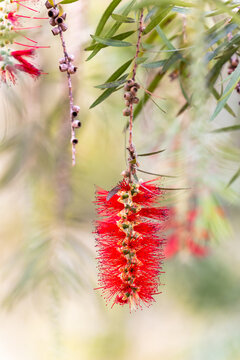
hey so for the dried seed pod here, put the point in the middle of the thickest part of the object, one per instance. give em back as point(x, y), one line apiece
point(134, 90)
point(63, 67)
point(127, 102)
point(55, 31)
point(234, 62)
point(71, 57)
point(76, 124)
point(75, 110)
point(48, 5)
point(63, 26)
point(127, 95)
point(59, 20)
point(74, 141)
point(52, 22)
point(130, 82)
point(126, 112)
point(135, 100)
point(72, 69)
point(136, 85)
point(64, 15)
point(62, 60)
point(127, 87)
point(53, 12)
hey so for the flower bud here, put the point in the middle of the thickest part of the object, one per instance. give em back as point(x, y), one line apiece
point(75, 110)
point(126, 112)
point(63, 67)
point(76, 124)
point(53, 12)
point(63, 26)
point(55, 31)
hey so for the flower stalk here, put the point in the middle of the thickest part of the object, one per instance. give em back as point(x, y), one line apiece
point(57, 20)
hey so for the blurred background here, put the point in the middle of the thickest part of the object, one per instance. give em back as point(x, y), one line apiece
point(50, 309)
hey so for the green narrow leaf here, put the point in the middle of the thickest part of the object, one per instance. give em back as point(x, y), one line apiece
point(121, 36)
point(113, 84)
point(119, 71)
point(67, 1)
point(154, 64)
point(226, 106)
point(112, 31)
point(103, 97)
point(150, 173)
point(234, 178)
point(157, 19)
point(227, 129)
point(111, 42)
point(122, 18)
point(113, 77)
point(227, 92)
point(164, 38)
point(151, 153)
point(107, 13)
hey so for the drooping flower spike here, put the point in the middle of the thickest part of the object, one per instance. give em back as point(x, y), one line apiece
point(129, 242)
point(13, 60)
point(129, 235)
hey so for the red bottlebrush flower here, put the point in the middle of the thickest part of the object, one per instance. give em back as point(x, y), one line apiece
point(184, 235)
point(11, 24)
point(24, 64)
point(129, 243)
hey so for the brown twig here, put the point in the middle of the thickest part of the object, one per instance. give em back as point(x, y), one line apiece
point(65, 65)
point(133, 87)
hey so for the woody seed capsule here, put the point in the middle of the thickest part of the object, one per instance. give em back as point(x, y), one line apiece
point(55, 31)
point(130, 82)
point(48, 5)
point(63, 26)
point(76, 124)
point(71, 57)
point(74, 141)
point(53, 12)
point(127, 96)
point(135, 100)
point(62, 61)
point(126, 112)
point(134, 90)
point(59, 20)
point(52, 22)
point(63, 67)
point(72, 69)
point(75, 110)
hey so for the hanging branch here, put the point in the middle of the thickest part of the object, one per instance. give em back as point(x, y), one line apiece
point(131, 88)
point(57, 18)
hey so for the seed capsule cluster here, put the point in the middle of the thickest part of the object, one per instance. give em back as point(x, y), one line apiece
point(130, 95)
point(57, 20)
